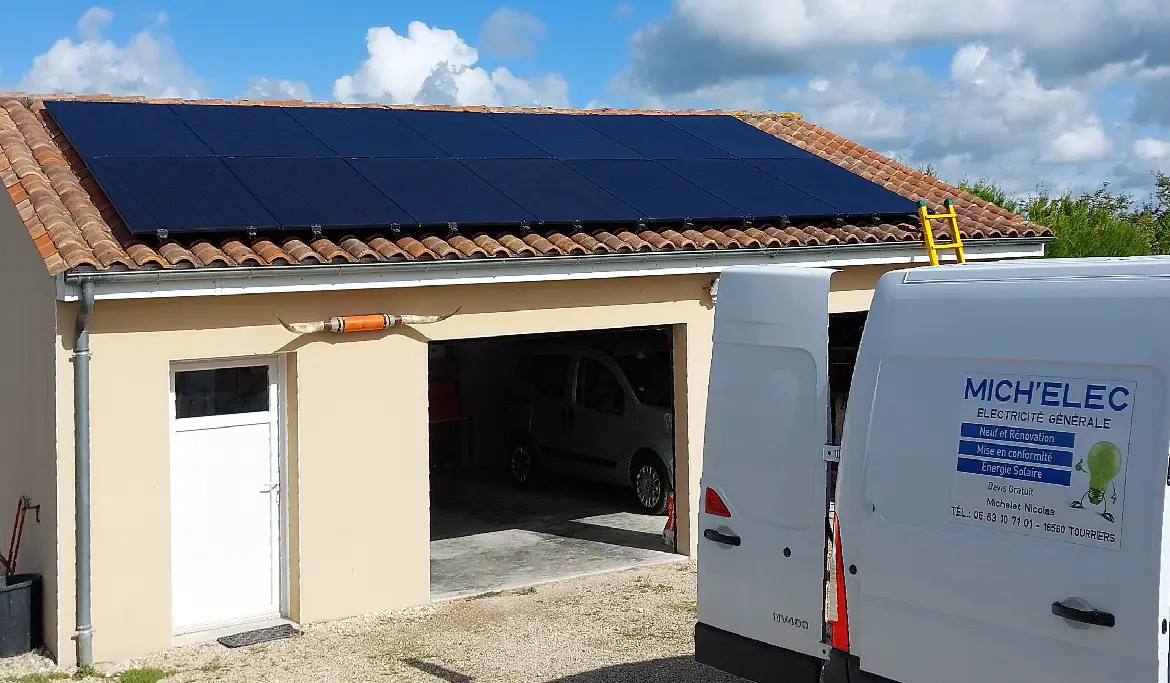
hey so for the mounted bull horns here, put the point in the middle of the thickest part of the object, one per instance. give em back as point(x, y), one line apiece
point(363, 323)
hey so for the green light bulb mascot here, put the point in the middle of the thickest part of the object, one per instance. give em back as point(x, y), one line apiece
point(1104, 462)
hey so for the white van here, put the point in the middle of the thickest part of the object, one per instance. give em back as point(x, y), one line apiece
point(1001, 488)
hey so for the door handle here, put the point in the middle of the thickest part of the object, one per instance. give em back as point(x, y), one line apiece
point(270, 488)
point(1084, 616)
point(725, 539)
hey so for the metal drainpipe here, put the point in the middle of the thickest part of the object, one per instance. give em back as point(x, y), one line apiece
point(84, 633)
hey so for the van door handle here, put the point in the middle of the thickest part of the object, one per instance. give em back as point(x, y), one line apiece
point(1084, 616)
point(725, 539)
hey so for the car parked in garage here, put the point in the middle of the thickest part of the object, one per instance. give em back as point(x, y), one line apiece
point(600, 410)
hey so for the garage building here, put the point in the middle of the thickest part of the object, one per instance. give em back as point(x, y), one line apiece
point(265, 363)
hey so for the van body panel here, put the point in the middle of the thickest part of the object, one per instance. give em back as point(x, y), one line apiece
point(1006, 449)
point(1003, 478)
point(767, 420)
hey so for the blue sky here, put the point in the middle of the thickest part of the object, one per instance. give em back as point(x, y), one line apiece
point(979, 94)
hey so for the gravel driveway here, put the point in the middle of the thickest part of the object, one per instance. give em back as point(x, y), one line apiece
point(631, 626)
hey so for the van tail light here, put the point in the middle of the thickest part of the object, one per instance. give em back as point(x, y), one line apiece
point(714, 505)
point(840, 625)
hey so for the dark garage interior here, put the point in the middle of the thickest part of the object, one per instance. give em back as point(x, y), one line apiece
point(845, 331)
point(551, 456)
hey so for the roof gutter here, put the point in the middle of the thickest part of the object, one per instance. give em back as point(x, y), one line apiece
point(169, 283)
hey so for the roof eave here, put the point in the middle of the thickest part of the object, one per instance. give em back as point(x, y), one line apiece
point(196, 282)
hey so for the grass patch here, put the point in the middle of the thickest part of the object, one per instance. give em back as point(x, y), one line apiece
point(689, 608)
point(489, 594)
point(38, 677)
point(144, 675)
point(643, 586)
point(528, 590)
point(212, 667)
point(84, 672)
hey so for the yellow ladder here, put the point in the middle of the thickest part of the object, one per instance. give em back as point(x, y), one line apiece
point(932, 247)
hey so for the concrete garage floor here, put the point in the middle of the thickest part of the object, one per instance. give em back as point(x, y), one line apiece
point(488, 535)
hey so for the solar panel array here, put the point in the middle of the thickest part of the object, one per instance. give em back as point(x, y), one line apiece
point(200, 168)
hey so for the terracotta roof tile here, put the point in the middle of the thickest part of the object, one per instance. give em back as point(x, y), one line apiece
point(73, 224)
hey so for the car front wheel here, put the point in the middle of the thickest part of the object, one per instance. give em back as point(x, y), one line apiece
point(650, 486)
point(521, 463)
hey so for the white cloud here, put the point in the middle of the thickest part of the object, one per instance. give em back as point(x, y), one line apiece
point(90, 25)
point(624, 10)
point(435, 66)
point(705, 42)
point(146, 65)
point(261, 88)
point(1151, 149)
point(990, 116)
point(1147, 155)
point(1083, 144)
point(510, 32)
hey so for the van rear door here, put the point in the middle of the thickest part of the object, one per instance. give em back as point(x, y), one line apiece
point(1003, 478)
point(762, 569)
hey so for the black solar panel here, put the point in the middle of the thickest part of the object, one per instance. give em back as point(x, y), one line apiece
point(257, 131)
point(755, 192)
point(440, 191)
point(315, 192)
point(363, 132)
point(552, 191)
point(564, 136)
point(206, 167)
point(653, 190)
point(737, 137)
point(848, 191)
point(468, 134)
point(178, 194)
point(99, 129)
point(652, 137)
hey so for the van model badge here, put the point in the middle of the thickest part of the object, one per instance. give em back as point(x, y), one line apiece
point(790, 621)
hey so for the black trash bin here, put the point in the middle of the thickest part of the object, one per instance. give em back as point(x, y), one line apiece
point(20, 614)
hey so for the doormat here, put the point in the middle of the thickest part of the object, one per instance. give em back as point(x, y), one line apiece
point(260, 635)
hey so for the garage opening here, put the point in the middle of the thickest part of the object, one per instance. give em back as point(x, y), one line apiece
point(552, 456)
point(844, 341)
point(845, 330)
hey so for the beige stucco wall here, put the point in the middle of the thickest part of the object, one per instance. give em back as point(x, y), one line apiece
point(358, 427)
point(27, 415)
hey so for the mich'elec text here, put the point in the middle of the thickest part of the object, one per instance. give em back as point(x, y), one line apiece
point(1051, 394)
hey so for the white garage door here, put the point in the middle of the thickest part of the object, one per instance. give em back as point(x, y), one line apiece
point(225, 496)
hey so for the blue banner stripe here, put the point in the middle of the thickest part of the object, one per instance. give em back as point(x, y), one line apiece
point(1004, 470)
point(999, 451)
point(1035, 437)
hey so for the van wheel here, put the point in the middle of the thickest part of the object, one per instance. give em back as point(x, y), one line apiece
point(650, 484)
point(522, 462)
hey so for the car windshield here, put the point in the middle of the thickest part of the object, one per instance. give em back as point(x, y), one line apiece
point(649, 374)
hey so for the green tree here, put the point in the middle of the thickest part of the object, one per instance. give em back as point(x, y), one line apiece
point(1098, 223)
point(1159, 211)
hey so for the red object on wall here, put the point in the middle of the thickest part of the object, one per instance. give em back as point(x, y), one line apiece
point(445, 402)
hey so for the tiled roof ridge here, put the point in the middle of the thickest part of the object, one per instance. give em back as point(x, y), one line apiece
point(74, 226)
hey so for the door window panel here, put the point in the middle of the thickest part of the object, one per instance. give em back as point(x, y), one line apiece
point(545, 373)
point(598, 388)
point(222, 391)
